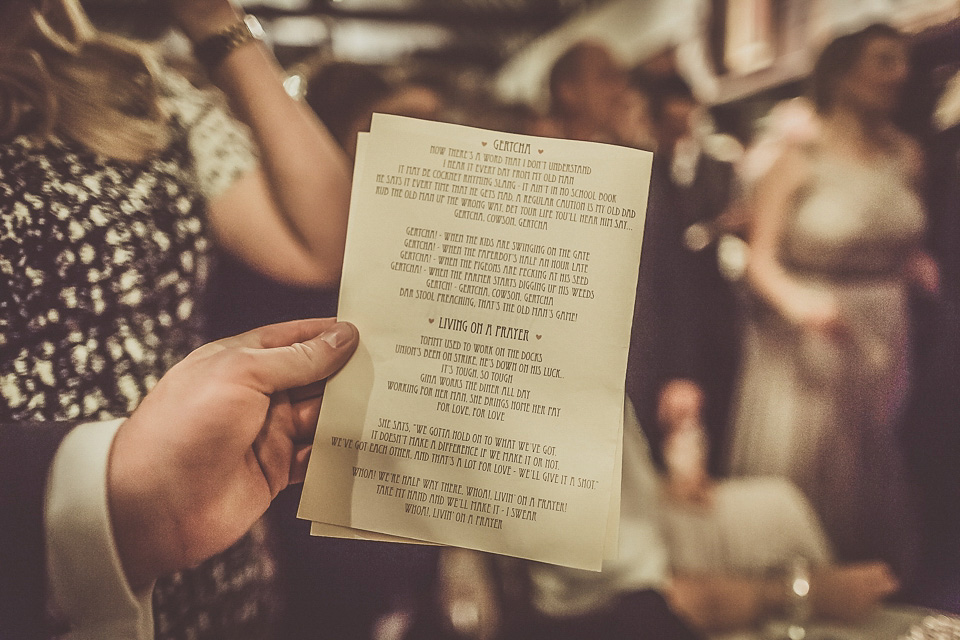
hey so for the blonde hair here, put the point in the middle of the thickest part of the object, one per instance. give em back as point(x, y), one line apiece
point(61, 76)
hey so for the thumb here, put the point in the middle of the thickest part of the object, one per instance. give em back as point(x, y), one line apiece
point(301, 363)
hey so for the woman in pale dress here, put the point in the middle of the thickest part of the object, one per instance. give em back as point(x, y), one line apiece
point(835, 243)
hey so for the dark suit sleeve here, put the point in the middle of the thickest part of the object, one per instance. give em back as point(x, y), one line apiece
point(26, 452)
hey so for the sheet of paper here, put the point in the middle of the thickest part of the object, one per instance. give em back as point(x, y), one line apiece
point(492, 277)
point(611, 541)
point(336, 531)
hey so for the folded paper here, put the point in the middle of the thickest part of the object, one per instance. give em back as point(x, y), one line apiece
point(492, 277)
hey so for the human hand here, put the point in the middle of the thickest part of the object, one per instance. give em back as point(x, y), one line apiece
point(222, 433)
point(467, 591)
point(923, 272)
point(200, 19)
point(850, 592)
point(681, 400)
point(695, 490)
point(685, 447)
point(685, 453)
point(814, 311)
point(630, 121)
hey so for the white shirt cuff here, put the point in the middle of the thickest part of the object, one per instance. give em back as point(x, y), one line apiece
point(87, 582)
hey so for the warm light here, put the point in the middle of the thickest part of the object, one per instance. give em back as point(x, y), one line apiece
point(295, 86)
point(282, 5)
point(376, 42)
point(300, 31)
point(465, 616)
point(801, 587)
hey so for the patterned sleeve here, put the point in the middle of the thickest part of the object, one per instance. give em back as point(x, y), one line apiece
point(222, 147)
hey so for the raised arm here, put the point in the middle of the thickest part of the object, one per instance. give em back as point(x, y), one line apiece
point(728, 602)
point(287, 218)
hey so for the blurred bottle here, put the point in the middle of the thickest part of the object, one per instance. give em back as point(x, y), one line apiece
point(685, 455)
point(795, 620)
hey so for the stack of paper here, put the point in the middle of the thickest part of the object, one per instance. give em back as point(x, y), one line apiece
point(492, 277)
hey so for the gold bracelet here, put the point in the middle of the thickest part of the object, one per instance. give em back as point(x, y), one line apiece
point(213, 50)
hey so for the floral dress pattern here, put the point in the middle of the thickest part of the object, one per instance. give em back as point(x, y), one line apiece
point(102, 263)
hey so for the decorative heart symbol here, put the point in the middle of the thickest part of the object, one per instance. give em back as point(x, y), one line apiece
point(484, 143)
point(430, 320)
point(539, 336)
point(539, 150)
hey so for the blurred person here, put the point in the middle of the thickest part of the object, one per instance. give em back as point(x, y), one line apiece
point(239, 296)
point(352, 589)
point(490, 113)
point(632, 122)
point(933, 443)
point(489, 597)
point(344, 96)
point(834, 245)
point(347, 94)
point(413, 99)
point(681, 569)
point(586, 86)
point(695, 336)
point(347, 587)
point(115, 505)
point(118, 174)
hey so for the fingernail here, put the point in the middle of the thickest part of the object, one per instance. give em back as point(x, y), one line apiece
point(337, 335)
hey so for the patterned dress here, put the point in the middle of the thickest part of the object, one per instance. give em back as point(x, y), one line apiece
point(823, 411)
point(101, 266)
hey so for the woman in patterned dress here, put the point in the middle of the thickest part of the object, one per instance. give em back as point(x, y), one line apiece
point(836, 242)
point(115, 175)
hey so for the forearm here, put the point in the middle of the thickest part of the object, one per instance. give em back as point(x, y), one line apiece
point(725, 603)
point(923, 273)
point(769, 280)
point(307, 173)
point(774, 198)
point(145, 528)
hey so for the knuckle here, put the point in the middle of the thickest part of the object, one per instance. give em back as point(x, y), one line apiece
point(235, 361)
point(308, 352)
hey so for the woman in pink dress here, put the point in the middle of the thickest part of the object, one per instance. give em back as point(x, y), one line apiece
point(835, 245)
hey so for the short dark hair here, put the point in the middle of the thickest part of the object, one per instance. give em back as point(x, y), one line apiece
point(840, 56)
point(568, 67)
point(665, 88)
point(340, 91)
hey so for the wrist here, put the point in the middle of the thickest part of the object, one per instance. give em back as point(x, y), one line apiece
point(141, 529)
point(200, 25)
point(214, 49)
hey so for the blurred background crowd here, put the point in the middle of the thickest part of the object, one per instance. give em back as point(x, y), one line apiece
point(797, 315)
